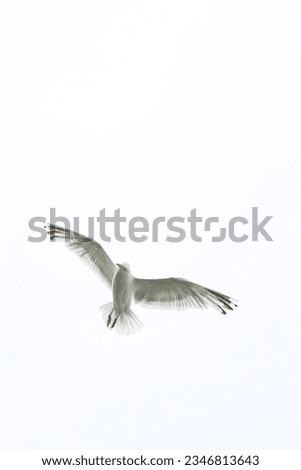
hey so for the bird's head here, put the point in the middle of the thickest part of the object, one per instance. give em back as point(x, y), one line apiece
point(123, 267)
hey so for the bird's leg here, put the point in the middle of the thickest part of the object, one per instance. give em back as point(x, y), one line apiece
point(114, 322)
point(110, 318)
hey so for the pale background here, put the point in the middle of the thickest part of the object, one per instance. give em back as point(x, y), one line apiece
point(155, 107)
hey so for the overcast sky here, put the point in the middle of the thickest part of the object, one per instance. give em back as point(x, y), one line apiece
point(155, 108)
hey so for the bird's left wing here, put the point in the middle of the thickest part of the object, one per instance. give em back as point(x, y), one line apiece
point(176, 293)
point(87, 249)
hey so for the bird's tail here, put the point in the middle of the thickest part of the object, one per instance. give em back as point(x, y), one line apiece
point(125, 323)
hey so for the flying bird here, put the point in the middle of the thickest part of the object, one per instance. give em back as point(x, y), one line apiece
point(169, 293)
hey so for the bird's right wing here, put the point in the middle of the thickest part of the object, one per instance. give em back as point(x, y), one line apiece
point(176, 293)
point(87, 249)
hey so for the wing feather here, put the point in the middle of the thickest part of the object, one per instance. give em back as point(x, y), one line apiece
point(177, 293)
point(87, 249)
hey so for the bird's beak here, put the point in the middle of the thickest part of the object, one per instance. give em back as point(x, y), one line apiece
point(119, 265)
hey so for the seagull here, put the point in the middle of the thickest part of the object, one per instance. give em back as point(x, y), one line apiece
point(169, 293)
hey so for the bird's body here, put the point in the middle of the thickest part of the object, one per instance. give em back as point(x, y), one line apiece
point(170, 293)
point(122, 290)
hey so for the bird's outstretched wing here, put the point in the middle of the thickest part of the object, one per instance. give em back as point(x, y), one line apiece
point(87, 249)
point(175, 293)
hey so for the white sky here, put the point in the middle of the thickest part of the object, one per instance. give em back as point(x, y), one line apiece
point(157, 108)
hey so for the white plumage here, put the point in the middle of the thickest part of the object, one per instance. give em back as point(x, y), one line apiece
point(169, 293)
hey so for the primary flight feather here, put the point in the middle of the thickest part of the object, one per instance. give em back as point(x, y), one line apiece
point(169, 293)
